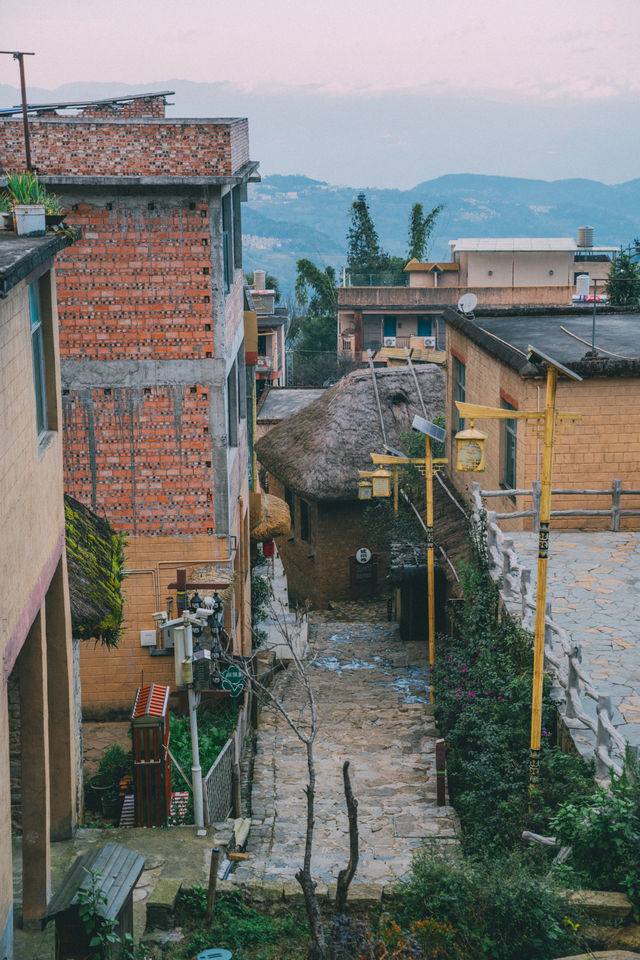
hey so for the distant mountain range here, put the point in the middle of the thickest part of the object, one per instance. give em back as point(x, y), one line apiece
point(289, 217)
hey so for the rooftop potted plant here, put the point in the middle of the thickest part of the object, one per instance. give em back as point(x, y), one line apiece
point(53, 212)
point(6, 217)
point(26, 197)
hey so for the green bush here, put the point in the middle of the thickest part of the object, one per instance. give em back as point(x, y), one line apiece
point(493, 909)
point(483, 681)
point(215, 726)
point(603, 831)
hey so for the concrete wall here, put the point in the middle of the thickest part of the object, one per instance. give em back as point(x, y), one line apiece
point(35, 624)
point(588, 454)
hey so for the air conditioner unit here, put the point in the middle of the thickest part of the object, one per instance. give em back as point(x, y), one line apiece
point(430, 343)
point(389, 341)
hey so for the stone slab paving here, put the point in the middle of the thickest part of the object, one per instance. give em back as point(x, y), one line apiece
point(373, 709)
point(593, 586)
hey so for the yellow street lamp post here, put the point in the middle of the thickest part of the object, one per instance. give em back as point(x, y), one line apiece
point(428, 463)
point(471, 458)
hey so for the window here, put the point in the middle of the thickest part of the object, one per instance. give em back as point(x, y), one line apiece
point(509, 449)
point(227, 242)
point(424, 327)
point(232, 405)
point(37, 350)
point(290, 500)
point(460, 381)
point(305, 521)
point(242, 382)
point(389, 327)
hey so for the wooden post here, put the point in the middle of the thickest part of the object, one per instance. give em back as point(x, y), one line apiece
point(535, 506)
point(541, 598)
point(428, 470)
point(237, 790)
point(573, 680)
point(506, 569)
point(603, 737)
point(615, 505)
point(441, 798)
point(213, 880)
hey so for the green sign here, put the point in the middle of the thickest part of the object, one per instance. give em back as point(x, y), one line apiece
point(233, 681)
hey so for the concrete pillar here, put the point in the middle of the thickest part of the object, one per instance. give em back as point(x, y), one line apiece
point(34, 712)
point(62, 747)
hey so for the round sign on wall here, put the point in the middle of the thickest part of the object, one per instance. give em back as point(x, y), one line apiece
point(363, 555)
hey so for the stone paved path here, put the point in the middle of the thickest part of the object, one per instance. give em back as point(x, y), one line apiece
point(593, 585)
point(373, 706)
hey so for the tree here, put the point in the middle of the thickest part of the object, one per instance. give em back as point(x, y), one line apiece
point(623, 285)
point(420, 230)
point(304, 725)
point(314, 334)
point(363, 246)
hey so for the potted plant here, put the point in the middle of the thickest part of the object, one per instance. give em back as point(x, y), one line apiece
point(105, 785)
point(26, 196)
point(6, 217)
point(53, 212)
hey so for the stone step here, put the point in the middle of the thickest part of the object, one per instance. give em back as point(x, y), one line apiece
point(161, 904)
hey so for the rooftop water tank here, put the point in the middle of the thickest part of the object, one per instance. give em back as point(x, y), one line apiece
point(582, 285)
point(585, 236)
point(260, 279)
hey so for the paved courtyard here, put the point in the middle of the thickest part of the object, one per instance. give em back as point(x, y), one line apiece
point(373, 709)
point(594, 588)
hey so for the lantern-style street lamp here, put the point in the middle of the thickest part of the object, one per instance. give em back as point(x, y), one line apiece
point(548, 419)
point(470, 446)
point(428, 463)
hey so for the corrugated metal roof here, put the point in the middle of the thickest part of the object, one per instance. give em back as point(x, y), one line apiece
point(151, 701)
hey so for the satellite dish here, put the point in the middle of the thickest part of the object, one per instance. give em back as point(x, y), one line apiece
point(467, 303)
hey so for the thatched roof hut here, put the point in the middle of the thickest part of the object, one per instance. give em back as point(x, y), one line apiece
point(318, 451)
point(95, 558)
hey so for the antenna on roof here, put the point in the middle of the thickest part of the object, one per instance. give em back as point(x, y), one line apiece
point(467, 304)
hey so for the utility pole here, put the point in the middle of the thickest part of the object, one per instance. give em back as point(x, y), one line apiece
point(19, 55)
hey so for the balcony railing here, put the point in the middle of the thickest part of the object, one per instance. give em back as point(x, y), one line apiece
point(385, 278)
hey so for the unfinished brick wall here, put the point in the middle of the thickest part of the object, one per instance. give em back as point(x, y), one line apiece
point(69, 146)
point(138, 283)
point(145, 107)
point(142, 456)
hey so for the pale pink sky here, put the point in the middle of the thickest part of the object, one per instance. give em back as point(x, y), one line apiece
point(510, 49)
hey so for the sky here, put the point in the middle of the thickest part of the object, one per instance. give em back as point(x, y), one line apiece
point(576, 56)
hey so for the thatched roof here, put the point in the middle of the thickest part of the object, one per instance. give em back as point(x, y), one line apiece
point(269, 517)
point(318, 451)
point(95, 558)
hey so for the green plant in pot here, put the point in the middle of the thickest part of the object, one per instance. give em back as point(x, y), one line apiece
point(26, 196)
point(53, 211)
point(105, 785)
point(6, 217)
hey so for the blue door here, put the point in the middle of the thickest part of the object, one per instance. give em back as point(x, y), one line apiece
point(389, 327)
point(424, 326)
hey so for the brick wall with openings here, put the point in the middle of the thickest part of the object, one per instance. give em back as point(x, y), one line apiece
point(144, 107)
point(127, 147)
point(588, 454)
point(138, 283)
point(142, 456)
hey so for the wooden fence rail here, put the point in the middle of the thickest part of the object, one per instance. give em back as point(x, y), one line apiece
point(517, 592)
point(615, 512)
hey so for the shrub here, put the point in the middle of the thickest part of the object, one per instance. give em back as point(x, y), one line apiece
point(492, 909)
point(603, 831)
point(483, 681)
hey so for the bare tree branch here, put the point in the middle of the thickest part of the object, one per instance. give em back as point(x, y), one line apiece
point(346, 876)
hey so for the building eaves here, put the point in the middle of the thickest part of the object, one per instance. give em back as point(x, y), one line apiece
point(504, 351)
point(20, 256)
point(246, 173)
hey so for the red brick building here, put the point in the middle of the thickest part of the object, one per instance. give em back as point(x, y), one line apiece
point(151, 309)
